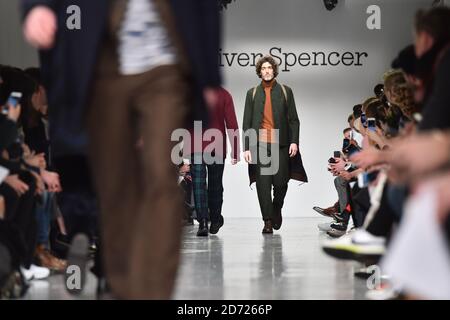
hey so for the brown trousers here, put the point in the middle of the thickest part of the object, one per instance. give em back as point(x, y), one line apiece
point(140, 201)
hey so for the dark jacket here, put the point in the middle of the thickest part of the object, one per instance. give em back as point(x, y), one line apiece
point(285, 119)
point(284, 114)
point(68, 67)
point(436, 111)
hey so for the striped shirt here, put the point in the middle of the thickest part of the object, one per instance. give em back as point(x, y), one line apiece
point(143, 40)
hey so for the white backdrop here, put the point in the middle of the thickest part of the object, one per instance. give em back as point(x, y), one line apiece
point(324, 95)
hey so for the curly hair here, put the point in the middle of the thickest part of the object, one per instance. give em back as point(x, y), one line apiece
point(270, 60)
point(400, 92)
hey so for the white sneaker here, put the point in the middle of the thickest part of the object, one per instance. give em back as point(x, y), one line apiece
point(357, 245)
point(361, 236)
point(386, 293)
point(35, 272)
point(324, 226)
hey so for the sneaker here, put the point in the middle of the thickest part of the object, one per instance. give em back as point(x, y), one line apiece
point(386, 292)
point(341, 226)
point(359, 245)
point(334, 233)
point(341, 217)
point(77, 261)
point(35, 272)
point(324, 226)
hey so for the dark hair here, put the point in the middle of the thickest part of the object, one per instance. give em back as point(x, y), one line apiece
point(15, 79)
point(375, 109)
point(379, 90)
point(350, 118)
point(35, 74)
point(347, 130)
point(270, 60)
point(406, 60)
point(357, 111)
point(435, 22)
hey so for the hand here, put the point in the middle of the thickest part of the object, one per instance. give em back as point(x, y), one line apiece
point(2, 208)
point(441, 185)
point(377, 137)
point(184, 169)
point(366, 158)
point(26, 151)
point(338, 166)
point(36, 160)
point(293, 149)
point(14, 112)
point(248, 156)
point(18, 185)
point(211, 97)
point(346, 175)
point(51, 179)
point(40, 186)
point(420, 154)
point(234, 161)
point(40, 27)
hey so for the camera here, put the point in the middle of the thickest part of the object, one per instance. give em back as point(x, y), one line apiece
point(364, 120)
point(345, 144)
point(351, 150)
point(371, 124)
point(13, 101)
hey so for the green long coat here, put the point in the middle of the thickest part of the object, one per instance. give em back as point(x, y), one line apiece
point(285, 119)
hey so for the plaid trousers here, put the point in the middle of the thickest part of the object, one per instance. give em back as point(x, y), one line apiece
point(208, 194)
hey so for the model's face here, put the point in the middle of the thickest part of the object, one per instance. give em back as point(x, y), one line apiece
point(347, 135)
point(266, 71)
point(423, 42)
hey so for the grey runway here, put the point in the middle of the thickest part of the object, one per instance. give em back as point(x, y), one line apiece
point(241, 263)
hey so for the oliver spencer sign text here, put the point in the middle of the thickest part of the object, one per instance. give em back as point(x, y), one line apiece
point(290, 60)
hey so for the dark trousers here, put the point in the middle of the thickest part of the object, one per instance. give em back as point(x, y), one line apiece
point(140, 201)
point(77, 201)
point(20, 217)
point(360, 201)
point(267, 178)
point(383, 221)
point(208, 196)
point(186, 185)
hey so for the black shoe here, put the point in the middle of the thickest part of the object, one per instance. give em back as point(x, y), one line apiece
point(202, 228)
point(339, 226)
point(342, 217)
point(277, 218)
point(214, 228)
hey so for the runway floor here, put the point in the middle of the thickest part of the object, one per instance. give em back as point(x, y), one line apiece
point(241, 263)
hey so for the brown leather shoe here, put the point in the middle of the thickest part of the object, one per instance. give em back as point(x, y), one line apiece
point(327, 212)
point(47, 260)
point(268, 228)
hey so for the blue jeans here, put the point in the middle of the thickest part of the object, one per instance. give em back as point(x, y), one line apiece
point(43, 214)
